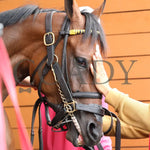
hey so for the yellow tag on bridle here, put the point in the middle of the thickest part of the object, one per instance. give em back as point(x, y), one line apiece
point(78, 31)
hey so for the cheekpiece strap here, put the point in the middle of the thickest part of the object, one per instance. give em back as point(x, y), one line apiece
point(49, 38)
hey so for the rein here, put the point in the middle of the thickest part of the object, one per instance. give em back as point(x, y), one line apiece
point(65, 110)
point(6, 74)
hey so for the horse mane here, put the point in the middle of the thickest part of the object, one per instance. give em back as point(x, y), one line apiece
point(13, 16)
point(19, 14)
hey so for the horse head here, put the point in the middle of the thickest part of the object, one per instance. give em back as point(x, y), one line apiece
point(58, 60)
point(79, 57)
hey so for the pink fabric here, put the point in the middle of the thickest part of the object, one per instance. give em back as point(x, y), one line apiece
point(58, 141)
point(106, 143)
point(7, 76)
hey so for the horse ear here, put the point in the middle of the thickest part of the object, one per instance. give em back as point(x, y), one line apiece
point(99, 11)
point(72, 10)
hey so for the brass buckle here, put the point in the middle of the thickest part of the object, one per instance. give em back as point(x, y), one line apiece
point(44, 38)
point(68, 107)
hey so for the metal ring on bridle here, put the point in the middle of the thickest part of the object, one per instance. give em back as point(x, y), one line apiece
point(55, 59)
point(70, 109)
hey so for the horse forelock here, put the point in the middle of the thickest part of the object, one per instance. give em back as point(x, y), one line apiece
point(93, 24)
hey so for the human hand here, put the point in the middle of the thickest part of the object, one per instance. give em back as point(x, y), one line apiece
point(101, 79)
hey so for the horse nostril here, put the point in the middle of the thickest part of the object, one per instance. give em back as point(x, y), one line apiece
point(93, 131)
point(91, 127)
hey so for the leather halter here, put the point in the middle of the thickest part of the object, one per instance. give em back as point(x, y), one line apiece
point(64, 111)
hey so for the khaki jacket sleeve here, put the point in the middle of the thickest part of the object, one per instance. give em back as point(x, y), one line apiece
point(127, 131)
point(133, 113)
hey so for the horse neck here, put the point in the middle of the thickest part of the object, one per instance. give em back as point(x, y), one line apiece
point(25, 45)
point(23, 40)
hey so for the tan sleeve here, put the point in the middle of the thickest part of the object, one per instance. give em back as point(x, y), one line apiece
point(127, 131)
point(130, 111)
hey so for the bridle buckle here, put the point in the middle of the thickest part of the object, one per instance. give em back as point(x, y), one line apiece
point(70, 107)
point(52, 36)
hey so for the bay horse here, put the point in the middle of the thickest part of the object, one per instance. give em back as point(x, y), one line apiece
point(39, 41)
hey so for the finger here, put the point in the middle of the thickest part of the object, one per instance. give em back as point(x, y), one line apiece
point(98, 55)
point(92, 68)
point(94, 57)
point(98, 62)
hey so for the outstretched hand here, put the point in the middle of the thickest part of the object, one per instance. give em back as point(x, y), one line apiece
point(101, 79)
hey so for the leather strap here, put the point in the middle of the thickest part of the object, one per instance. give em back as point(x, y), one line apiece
point(33, 119)
point(118, 128)
point(99, 146)
point(49, 38)
point(108, 113)
point(91, 95)
point(92, 108)
point(40, 130)
point(62, 82)
point(50, 49)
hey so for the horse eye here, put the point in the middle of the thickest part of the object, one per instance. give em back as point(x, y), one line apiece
point(81, 62)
